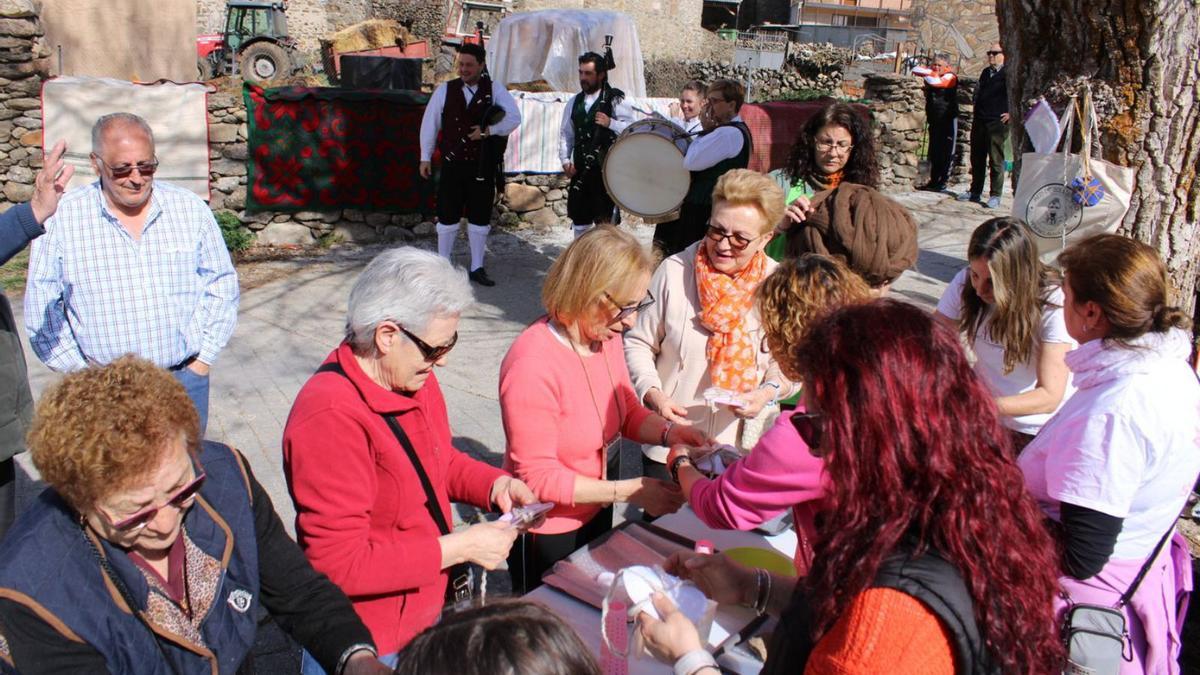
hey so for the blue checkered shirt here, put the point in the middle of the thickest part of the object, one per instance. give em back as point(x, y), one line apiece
point(94, 293)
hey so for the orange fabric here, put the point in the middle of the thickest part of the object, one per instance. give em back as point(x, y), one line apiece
point(884, 631)
point(724, 300)
point(834, 179)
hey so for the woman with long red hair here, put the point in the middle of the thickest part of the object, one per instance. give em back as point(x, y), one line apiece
point(930, 556)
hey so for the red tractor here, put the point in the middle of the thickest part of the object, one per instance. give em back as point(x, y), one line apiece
point(255, 43)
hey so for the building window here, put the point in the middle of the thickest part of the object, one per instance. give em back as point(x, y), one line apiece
point(838, 20)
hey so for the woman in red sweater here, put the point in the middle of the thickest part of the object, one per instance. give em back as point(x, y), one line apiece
point(362, 515)
point(566, 399)
point(931, 557)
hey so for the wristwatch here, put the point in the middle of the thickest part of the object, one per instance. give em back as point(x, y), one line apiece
point(676, 463)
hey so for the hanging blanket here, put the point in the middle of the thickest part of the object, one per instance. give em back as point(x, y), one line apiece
point(323, 149)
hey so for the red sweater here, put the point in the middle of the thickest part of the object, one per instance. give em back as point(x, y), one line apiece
point(360, 510)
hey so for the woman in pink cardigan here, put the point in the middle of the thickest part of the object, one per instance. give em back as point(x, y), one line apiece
point(566, 399)
point(779, 473)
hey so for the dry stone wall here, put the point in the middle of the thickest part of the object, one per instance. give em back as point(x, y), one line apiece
point(963, 28)
point(898, 107)
point(23, 66)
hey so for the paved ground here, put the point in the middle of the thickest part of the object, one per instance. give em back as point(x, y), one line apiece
point(287, 326)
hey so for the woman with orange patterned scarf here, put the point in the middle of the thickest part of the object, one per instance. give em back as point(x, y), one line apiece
point(703, 330)
point(835, 145)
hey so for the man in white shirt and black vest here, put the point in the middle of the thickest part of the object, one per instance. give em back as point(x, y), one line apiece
point(471, 141)
point(591, 123)
point(723, 145)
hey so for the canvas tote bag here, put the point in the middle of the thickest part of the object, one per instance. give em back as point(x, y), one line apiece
point(1066, 197)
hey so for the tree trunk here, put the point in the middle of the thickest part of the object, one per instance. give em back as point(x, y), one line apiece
point(1141, 59)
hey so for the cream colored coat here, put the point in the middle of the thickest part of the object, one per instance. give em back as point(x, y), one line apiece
point(666, 349)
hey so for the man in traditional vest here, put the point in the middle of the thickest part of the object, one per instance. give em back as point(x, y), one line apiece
point(591, 123)
point(472, 152)
point(724, 144)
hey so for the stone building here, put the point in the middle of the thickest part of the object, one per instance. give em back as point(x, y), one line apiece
point(962, 28)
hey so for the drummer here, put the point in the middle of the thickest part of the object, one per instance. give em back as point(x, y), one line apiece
point(686, 112)
point(723, 145)
point(591, 122)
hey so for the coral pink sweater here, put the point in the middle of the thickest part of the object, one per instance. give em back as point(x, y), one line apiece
point(552, 422)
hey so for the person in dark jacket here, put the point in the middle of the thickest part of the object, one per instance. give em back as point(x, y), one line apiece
point(989, 128)
point(151, 551)
point(18, 226)
point(941, 113)
point(930, 556)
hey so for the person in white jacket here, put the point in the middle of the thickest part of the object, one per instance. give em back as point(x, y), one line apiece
point(1115, 466)
point(703, 330)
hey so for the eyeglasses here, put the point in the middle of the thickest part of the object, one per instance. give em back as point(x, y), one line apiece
point(123, 170)
point(811, 427)
point(994, 53)
point(829, 146)
point(180, 500)
point(428, 351)
point(626, 310)
point(736, 241)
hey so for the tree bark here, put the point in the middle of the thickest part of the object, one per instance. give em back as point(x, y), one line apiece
point(1141, 59)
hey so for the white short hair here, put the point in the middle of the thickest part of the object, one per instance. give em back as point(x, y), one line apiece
point(409, 286)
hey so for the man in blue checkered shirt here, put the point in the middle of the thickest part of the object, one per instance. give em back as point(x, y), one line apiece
point(130, 265)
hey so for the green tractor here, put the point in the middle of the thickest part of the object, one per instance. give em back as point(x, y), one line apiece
point(255, 43)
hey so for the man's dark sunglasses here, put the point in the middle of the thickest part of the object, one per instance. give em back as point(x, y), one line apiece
point(811, 427)
point(123, 170)
point(428, 351)
point(625, 311)
point(994, 53)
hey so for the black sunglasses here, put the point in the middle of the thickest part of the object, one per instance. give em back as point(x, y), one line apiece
point(811, 427)
point(123, 170)
point(626, 310)
point(736, 241)
point(993, 53)
point(428, 351)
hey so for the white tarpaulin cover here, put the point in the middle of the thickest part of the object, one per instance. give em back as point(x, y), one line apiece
point(177, 113)
point(546, 45)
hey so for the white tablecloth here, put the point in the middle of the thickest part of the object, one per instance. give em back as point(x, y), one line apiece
point(585, 619)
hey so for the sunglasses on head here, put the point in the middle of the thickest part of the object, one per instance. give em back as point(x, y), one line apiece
point(123, 170)
point(180, 500)
point(811, 427)
point(625, 310)
point(428, 351)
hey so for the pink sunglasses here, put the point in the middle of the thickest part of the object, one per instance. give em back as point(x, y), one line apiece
point(180, 500)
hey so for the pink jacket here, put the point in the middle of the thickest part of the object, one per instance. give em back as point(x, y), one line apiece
point(778, 474)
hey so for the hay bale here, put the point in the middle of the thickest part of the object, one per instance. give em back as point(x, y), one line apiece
point(370, 34)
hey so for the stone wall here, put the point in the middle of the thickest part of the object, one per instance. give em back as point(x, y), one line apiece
point(898, 106)
point(809, 69)
point(23, 66)
point(962, 28)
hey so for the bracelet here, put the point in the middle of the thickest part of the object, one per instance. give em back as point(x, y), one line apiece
point(351, 651)
point(675, 464)
point(694, 661)
point(666, 432)
point(764, 591)
point(778, 389)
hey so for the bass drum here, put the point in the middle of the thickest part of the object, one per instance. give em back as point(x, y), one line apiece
point(643, 170)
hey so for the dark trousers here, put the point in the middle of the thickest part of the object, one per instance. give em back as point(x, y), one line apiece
point(460, 193)
point(943, 134)
point(533, 554)
point(673, 236)
point(987, 153)
point(587, 199)
point(8, 494)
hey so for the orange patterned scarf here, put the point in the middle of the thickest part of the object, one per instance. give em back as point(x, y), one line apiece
point(724, 301)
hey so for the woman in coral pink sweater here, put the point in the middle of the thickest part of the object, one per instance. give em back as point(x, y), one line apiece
point(566, 399)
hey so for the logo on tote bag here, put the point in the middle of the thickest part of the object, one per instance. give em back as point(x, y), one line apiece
point(1052, 211)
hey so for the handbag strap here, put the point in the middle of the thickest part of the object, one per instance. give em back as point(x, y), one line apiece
point(431, 500)
point(1137, 581)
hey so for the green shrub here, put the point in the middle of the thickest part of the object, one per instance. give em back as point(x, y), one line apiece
point(237, 238)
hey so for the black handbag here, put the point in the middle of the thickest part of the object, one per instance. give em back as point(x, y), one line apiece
point(460, 588)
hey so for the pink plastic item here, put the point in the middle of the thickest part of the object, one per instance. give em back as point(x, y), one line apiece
point(612, 663)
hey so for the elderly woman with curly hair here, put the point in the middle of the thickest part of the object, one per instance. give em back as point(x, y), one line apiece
point(931, 557)
point(151, 551)
point(835, 146)
point(779, 474)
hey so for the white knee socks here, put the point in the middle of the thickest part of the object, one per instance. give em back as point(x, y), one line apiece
point(446, 234)
point(580, 229)
point(477, 237)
